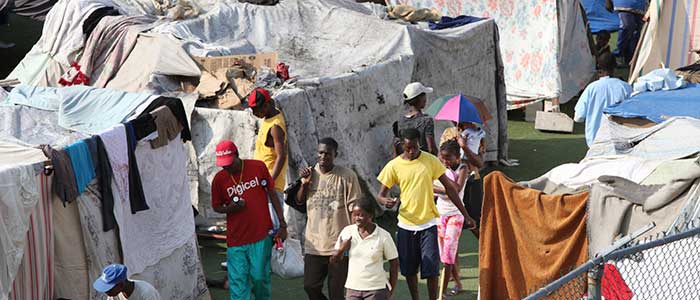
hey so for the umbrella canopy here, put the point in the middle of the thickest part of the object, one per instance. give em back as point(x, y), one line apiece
point(459, 108)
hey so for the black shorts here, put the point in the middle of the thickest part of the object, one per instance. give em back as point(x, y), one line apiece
point(418, 249)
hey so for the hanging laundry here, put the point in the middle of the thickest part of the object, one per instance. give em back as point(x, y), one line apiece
point(81, 160)
point(527, 238)
point(143, 126)
point(137, 199)
point(167, 125)
point(449, 22)
point(104, 180)
point(34, 279)
point(115, 143)
point(178, 110)
point(64, 183)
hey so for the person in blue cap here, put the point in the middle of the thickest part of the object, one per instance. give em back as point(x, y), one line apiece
point(117, 286)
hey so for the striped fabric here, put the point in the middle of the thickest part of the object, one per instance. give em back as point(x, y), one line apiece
point(673, 30)
point(34, 280)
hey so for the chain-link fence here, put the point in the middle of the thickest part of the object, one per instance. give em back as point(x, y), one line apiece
point(664, 268)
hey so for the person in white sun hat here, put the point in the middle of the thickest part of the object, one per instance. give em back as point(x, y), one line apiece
point(415, 97)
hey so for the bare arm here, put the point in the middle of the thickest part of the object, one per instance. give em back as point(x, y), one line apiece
point(393, 274)
point(338, 254)
point(383, 199)
point(303, 192)
point(454, 197)
point(282, 233)
point(462, 179)
point(473, 158)
point(278, 140)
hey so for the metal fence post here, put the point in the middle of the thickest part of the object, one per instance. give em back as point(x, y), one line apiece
point(595, 276)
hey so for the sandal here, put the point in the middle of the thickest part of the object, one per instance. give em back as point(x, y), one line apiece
point(453, 291)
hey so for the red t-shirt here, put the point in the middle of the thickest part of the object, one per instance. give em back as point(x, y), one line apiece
point(253, 222)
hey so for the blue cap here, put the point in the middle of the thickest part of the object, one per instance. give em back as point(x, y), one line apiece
point(111, 276)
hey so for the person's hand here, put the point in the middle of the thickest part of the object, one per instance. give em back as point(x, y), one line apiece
point(305, 175)
point(471, 224)
point(391, 203)
point(462, 141)
point(645, 18)
point(609, 5)
point(281, 234)
point(334, 258)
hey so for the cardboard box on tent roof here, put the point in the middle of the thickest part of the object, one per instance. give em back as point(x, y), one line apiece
point(215, 80)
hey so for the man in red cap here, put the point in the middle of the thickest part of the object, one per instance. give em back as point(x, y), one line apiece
point(241, 191)
point(271, 143)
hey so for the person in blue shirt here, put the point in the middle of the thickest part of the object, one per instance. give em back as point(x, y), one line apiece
point(631, 13)
point(599, 95)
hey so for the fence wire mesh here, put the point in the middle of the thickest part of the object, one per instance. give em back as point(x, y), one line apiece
point(664, 268)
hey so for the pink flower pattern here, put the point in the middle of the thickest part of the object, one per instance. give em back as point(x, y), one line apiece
point(529, 43)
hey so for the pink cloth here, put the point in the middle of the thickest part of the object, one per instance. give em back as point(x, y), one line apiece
point(449, 230)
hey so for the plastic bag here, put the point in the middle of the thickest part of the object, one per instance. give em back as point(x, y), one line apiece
point(288, 262)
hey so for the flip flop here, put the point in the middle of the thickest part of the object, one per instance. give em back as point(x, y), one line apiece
point(453, 291)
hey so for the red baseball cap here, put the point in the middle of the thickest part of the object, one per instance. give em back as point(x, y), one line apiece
point(225, 152)
point(258, 97)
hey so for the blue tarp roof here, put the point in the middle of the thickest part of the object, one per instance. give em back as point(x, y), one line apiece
point(660, 105)
point(599, 18)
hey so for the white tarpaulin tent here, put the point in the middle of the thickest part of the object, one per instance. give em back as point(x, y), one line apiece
point(165, 253)
point(544, 45)
point(352, 67)
point(672, 32)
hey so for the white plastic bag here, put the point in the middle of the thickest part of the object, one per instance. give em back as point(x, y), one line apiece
point(288, 261)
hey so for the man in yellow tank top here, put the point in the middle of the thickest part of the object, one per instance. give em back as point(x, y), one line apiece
point(271, 143)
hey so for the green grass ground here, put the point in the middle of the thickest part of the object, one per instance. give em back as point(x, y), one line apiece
point(537, 151)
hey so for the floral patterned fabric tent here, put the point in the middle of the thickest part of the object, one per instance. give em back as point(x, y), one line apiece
point(544, 44)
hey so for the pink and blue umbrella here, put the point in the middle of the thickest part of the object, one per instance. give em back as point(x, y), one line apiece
point(457, 108)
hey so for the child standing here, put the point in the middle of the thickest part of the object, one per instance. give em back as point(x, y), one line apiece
point(451, 220)
point(369, 246)
point(471, 142)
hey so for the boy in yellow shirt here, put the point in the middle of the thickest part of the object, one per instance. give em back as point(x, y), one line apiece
point(414, 171)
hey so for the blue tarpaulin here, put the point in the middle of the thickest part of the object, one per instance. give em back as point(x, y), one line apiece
point(660, 105)
point(599, 18)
